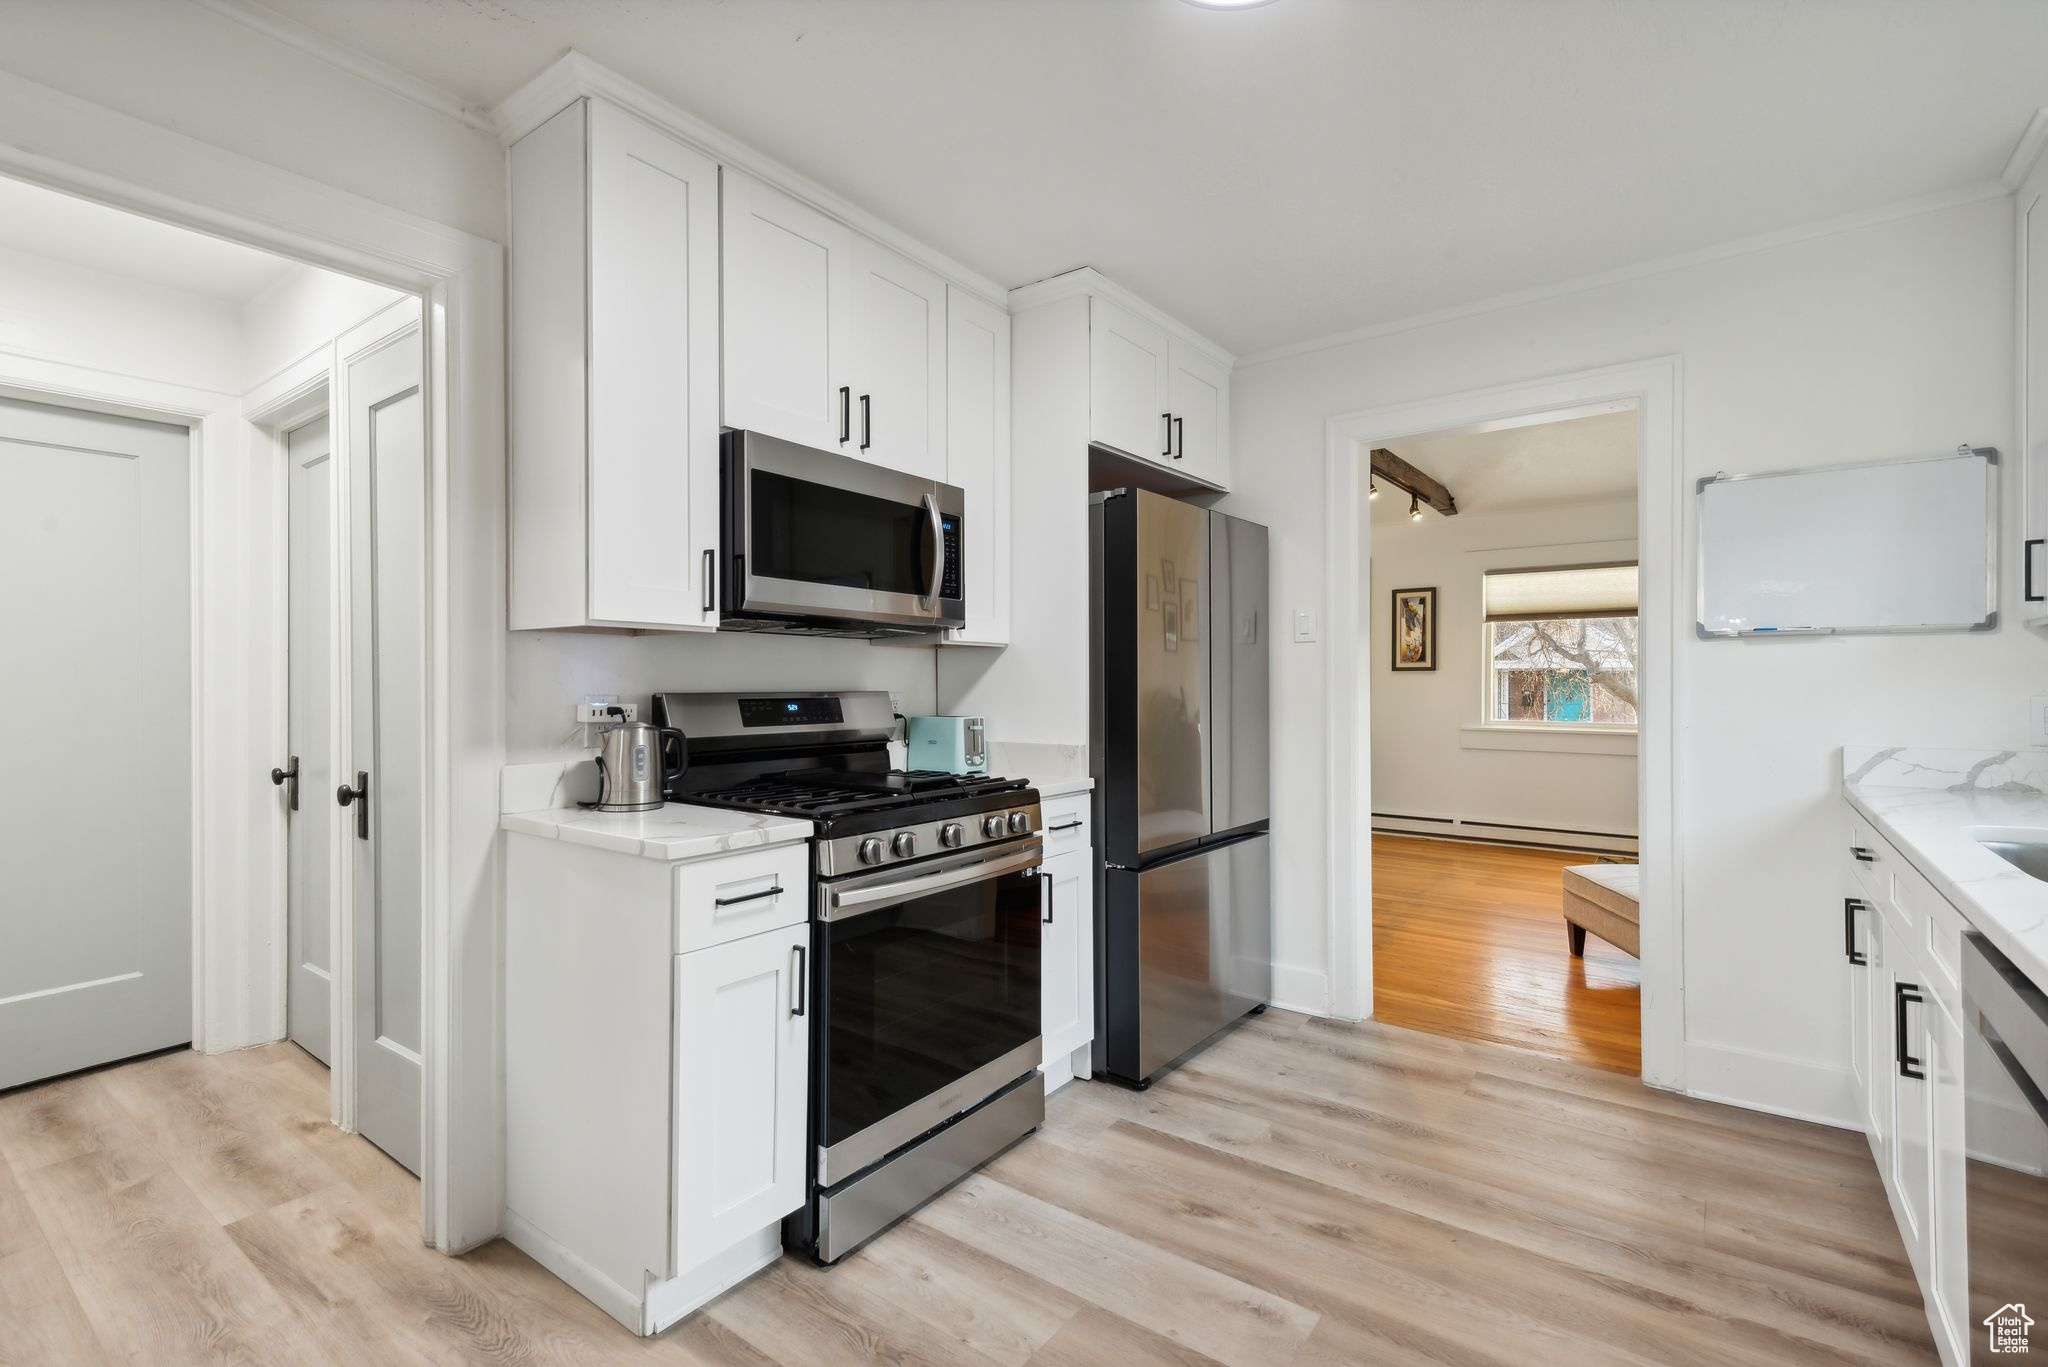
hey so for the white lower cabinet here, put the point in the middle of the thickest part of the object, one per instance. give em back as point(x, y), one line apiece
point(656, 1067)
point(1067, 937)
point(1906, 1034)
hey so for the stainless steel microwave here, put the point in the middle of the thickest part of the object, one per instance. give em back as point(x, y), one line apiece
point(817, 542)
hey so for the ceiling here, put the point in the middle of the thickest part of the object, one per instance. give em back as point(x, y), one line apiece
point(1544, 465)
point(1310, 166)
point(57, 226)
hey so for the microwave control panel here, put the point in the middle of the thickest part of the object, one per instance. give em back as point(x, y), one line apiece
point(949, 578)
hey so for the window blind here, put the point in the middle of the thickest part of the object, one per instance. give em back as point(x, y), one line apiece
point(1563, 591)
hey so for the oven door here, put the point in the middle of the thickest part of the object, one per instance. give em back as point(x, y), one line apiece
point(820, 535)
point(927, 994)
point(2005, 1137)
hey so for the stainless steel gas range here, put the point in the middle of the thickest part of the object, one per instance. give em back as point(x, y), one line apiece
point(923, 990)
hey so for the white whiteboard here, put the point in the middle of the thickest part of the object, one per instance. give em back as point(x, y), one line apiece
point(1894, 546)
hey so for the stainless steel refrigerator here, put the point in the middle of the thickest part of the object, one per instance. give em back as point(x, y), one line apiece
point(1178, 743)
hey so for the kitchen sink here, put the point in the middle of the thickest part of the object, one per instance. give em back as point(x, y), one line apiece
point(2024, 849)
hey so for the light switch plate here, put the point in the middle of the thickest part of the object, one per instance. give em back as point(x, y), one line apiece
point(1304, 625)
point(2037, 711)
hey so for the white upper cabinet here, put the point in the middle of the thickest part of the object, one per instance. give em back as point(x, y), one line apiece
point(978, 460)
point(1198, 398)
point(1157, 395)
point(896, 368)
point(613, 375)
point(2032, 233)
point(1129, 385)
point(789, 275)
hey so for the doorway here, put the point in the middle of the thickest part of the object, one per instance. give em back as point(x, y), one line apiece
point(1354, 672)
point(1502, 589)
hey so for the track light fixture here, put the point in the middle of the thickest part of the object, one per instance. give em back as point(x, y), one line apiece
point(1372, 488)
point(1415, 507)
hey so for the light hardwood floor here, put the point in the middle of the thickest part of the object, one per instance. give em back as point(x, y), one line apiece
point(1303, 1193)
point(1468, 940)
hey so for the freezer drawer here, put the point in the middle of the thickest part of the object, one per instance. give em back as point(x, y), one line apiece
point(1187, 949)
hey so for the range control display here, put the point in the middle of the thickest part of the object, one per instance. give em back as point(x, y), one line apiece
point(790, 711)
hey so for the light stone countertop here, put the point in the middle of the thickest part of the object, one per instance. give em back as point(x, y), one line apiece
point(1927, 802)
point(676, 831)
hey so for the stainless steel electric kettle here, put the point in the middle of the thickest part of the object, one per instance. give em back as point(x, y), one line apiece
point(633, 760)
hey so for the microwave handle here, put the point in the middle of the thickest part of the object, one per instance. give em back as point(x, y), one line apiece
point(935, 568)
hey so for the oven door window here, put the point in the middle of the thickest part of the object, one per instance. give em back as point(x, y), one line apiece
point(817, 534)
point(922, 993)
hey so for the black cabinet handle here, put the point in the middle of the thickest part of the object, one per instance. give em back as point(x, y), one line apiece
point(1068, 826)
point(2027, 569)
point(710, 573)
point(867, 423)
point(799, 988)
point(1850, 906)
point(282, 776)
point(1166, 419)
point(1046, 878)
point(845, 414)
point(1863, 856)
point(359, 797)
point(1180, 439)
point(775, 891)
point(1902, 993)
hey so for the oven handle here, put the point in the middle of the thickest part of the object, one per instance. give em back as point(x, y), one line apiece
point(840, 905)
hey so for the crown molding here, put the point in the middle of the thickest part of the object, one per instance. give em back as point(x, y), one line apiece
point(320, 47)
point(1087, 281)
point(1975, 193)
point(2026, 151)
point(574, 76)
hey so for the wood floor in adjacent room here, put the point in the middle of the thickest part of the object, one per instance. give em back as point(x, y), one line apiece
point(1468, 940)
point(1304, 1193)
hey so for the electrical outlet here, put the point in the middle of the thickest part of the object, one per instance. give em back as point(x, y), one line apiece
point(591, 710)
point(896, 703)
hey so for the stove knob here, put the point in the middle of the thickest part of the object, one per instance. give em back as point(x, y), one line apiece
point(904, 845)
point(1020, 823)
point(950, 835)
point(871, 851)
point(991, 826)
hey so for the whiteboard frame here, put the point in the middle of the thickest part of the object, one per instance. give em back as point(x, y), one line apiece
point(1989, 622)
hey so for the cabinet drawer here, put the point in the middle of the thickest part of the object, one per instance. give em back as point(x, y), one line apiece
point(1871, 858)
point(736, 895)
point(1066, 822)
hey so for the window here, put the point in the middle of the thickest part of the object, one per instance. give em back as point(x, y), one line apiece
point(1561, 647)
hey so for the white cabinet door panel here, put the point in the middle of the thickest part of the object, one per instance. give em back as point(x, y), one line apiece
point(1127, 388)
point(1947, 1229)
point(742, 1052)
point(1068, 955)
point(788, 271)
point(978, 459)
point(897, 365)
point(653, 372)
point(1199, 400)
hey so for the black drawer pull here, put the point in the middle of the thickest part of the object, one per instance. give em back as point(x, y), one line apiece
point(775, 891)
point(2027, 570)
point(1850, 906)
point(1863, 856)
point(799, 986)
point(1068, 826)
point(1902, 993)
point(1047, 918)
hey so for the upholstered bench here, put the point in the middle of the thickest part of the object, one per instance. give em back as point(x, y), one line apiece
point(1603, 898)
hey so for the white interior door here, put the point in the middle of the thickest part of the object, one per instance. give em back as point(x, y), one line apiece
point(386, 767)
point(309, 865)
point(96, 825)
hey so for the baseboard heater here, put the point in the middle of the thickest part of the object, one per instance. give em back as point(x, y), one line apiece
point(1504, 833)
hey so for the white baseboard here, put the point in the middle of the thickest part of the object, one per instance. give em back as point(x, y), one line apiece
point(1306, 990)
point(601, 1291)
point(1795, 1088)
point(1502, 833)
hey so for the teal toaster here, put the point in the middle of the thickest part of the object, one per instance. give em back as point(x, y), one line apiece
point(949, 745)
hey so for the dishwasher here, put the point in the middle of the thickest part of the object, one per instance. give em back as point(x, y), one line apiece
point(2005, 1137)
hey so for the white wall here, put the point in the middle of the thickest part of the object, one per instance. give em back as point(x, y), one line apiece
point(56, 311)
point(1891, 340)
point(304, 309)
point(1423, 763)
point(548, 671)
point(208, 77)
